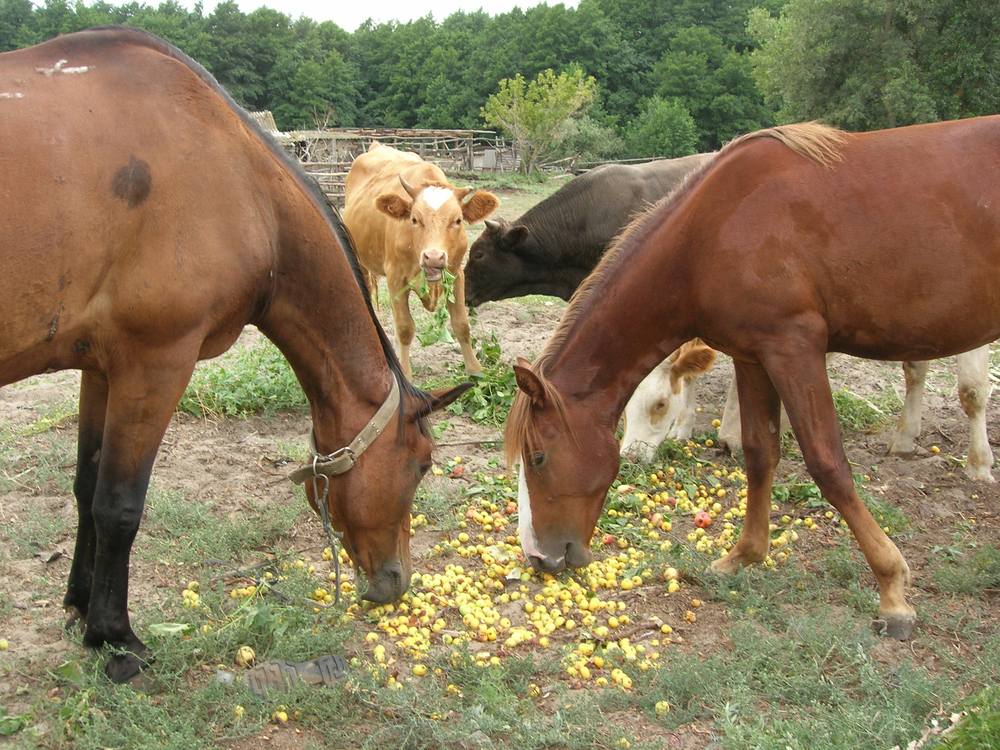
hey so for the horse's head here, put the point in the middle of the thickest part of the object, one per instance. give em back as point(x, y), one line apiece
point(567, 466)
point(370, 502)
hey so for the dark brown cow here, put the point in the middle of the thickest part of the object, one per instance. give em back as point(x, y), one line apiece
point(555, 244)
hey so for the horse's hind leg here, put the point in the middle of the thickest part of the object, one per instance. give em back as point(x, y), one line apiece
point(140, 403)
point(93, 407)
point(974, 391)
point(904, 438)
point(805, 390)
point(761, 441)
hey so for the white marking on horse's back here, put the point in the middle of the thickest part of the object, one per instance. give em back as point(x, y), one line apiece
point(59, 68)
point(436, 197)
point(9, 95)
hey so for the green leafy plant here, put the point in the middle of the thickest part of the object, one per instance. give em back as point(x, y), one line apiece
point(438, 329)
point(493, 389)
point(247, 380)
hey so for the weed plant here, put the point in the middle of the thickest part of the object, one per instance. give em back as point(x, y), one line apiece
point(246, 380)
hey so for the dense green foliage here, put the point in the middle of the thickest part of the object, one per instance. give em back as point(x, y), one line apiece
point(440, 74)
point(869, 64)
point(669, 78)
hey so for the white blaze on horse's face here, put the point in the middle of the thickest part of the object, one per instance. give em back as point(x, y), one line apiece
point(529, 543)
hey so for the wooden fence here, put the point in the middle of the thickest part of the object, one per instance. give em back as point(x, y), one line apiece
point(327, 155)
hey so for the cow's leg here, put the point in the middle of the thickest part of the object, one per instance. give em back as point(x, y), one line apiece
point(804, 387)
point(141, 398)
point(93, 407)
point(729, 430)
point(904, 438)
point(974, 391)
point(399, 296)
point(460, 325)
point(761, 443)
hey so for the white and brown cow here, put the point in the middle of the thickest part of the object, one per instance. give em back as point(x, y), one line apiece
point(406, 218)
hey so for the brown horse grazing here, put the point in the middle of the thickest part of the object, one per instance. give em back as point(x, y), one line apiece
point(792, 242)
point(145, 221)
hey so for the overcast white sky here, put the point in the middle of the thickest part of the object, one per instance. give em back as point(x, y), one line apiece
point(351, 14)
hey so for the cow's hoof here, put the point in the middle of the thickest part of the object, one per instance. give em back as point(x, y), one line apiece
point(900, 628)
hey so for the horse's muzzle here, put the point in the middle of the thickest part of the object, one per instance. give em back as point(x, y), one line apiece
point(576, 556)
point(389, 584)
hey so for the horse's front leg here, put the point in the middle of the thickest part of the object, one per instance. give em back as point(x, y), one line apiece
point(805, 391)
point(93, 407)
point(760, 415)
point(141, 401)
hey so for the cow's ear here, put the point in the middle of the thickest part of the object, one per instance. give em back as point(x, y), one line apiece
point(515, 236)
point(479, 206)
point(393, 206)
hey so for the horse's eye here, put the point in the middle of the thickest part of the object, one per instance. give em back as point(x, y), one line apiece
point(535, 460)
point(414, 219)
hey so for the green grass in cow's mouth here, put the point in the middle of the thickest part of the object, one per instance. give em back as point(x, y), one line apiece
point(438, 328)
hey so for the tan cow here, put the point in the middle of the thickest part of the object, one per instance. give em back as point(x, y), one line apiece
point(405, 218)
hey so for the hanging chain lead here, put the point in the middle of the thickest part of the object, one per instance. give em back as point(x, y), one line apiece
point(331, 535)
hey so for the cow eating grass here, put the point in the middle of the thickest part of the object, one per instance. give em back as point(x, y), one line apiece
point(407, 219)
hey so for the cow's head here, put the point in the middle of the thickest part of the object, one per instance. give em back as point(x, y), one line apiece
point(494, 266)
point(438, 214)
point(662, 406)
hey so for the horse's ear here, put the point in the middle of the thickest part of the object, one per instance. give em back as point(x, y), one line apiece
point(530, 383)
point(442, 397)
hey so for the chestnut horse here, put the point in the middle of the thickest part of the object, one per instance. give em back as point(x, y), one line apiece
point(792, 242)
point(145, 221)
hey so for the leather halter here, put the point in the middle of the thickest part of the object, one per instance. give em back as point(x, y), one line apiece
point(344, 459)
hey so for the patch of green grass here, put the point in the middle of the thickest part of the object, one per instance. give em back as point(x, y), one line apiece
point(244, 381)
point(969, 571)
point(188, 531)
point(862, 414)
point(979, 729)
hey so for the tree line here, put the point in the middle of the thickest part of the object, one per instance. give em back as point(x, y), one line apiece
point(669, 77)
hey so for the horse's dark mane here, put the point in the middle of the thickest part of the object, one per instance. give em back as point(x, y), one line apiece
point(309, 186)
point(815, 141)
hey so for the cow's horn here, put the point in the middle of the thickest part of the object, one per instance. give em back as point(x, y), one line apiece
point(408, 187)
point(492, 226)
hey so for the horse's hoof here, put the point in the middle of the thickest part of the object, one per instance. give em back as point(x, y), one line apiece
point(900, 628)
point(76, 619)
point(280, 675)
point(124, 667)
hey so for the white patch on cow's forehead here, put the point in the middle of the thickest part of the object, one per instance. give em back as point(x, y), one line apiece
point(528, 543)
point(60, 67)
point(436, 196)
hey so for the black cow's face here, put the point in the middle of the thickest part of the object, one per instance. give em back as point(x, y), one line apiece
point(495, 270)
